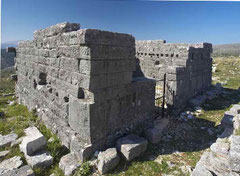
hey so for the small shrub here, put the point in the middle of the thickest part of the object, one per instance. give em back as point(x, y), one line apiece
point(84, 170)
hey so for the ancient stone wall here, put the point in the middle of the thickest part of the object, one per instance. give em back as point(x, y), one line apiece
point(81, 83)
point(187, 66)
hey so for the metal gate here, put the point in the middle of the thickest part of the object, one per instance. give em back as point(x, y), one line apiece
point(160, 95)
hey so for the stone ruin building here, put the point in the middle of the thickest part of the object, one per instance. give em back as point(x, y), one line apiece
point(91, 87)
point(188, 68)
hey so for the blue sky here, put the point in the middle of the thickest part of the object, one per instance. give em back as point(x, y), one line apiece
point(176, 22)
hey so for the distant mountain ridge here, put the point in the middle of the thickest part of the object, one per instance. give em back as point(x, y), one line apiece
point(7, 59)
point(227, 50)
point(10, 44)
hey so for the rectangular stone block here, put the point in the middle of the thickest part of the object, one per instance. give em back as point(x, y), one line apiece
point(33, 142)
point(56, 29)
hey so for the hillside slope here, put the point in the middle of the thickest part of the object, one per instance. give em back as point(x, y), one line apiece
point(226, 50)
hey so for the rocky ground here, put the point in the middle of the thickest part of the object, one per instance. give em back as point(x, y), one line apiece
point(182, 143)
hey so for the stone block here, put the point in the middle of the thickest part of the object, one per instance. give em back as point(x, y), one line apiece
point(33, 142)
point(7, 139)
point(98, 37)
point(68, 163)
point(56, 29)
point(79, 117)
point(10, 165)
point(41, 159)
point(107, 160)
point(25, 171)
point(131, 146)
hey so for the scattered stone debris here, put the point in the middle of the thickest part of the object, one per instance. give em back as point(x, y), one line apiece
point(131, 146)
point(32, 146)
point(223, 157)
point(69, 164)
point(7, 139)
point(10, 164)
point(22, 171)
point(107, 160)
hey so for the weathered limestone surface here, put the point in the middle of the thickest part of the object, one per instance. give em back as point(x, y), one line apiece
point(107, 160)
point(69, 164)
point(22, 171)
point(40, 159)
point(187, 68)
point(131, 146)
point(33, 141)
point(223, 158)
point(7, 139)
point(10, 164)
point(81, 83)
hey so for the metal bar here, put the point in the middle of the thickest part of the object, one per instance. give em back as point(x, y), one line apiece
point(173, 98)
point(164, 87)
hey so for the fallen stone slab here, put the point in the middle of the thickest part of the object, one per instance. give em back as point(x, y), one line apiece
point(107, 160)
point(201, 171)
point(3, 153)
point(25, 171)
point(10, 164)
point(7, 139)
point(22, 171)
point(202, 167)
point(68, 163)
point(41, 159)
point(33, 142)
point(131, 146)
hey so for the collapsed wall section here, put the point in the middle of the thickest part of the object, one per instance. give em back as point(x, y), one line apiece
point(187, 68)
point(80, 81)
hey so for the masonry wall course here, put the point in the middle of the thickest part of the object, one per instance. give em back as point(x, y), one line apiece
point(81, 83)
point(187, 66)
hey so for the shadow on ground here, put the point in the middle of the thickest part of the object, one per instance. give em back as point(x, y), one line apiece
point(191, 136)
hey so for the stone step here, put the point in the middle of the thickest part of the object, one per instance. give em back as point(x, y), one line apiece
point(131, 146)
